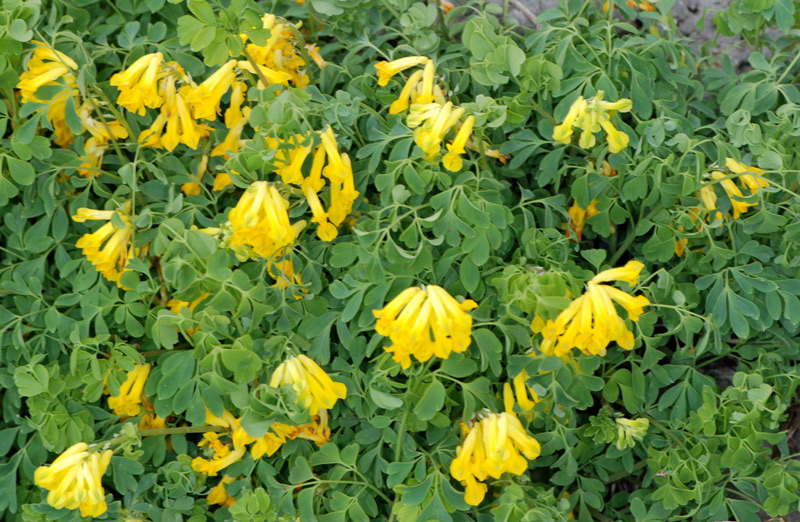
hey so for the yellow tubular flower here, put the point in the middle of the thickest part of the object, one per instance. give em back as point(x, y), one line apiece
point(343, 194)
point(563, 132)
point(402, 101)
point(752, 177)
point(579, 217)
point(315, 390)
point(631, 430)
point(495, 445)
point(617, 140)
point(335, 171)
point(181, 126)
point(591, 321)
point(290, 171)
point(734, 194)
point(218, 494)
point(151, 421)
point(138, 84)
point(452, 160)
point(108, 249)
point(386, 70)
point(215, 465)
point(234, 113)
point(50, 67)
point(233, 140)
point(74, 480)
point(193, 188)
point(205, 99)
point(222, 180)
point(314, 181)
point(129, 400)
point(313, 52)
point(522, 390)
point(426, 88)
point(326, 231)
point(274, 77)
point(261, 220)
point(95, 149)
point(424, 323)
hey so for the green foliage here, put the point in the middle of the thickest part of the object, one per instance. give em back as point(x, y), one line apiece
point(714, 369)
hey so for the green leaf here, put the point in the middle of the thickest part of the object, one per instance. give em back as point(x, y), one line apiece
point(21, 172)
point(384, 400)
point(300, 471)
point(431, 402)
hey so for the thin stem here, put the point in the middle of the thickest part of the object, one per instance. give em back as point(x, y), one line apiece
point(628, 240)
point(182, 429)
point(256, 67)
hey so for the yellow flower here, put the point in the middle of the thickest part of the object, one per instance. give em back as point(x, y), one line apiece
point(95, 149)
point(193, 187)
point(315, 390)
point(278, 58)
point(563, 132)
point(425, 94)
point(74, 480)
point(234, 114)
point(128, 401)
point(591, 321)
point(452, 160)
point(495, 445)
point(734, 194)
point(175, 306)
point(218, 494)
point(138, 84)
point(591, 116)
point(261, 220)
point(521, 390)
point(206, 97)
point(48, 67)
point(213, 466)
point(313, 52)
point(271, 441)
point(579, 216)
point(108, 248)
point(401, 103)
point(326, 231)
point(181, 126)
point(386, 70)
point(616, 140)
point(151, 421)
point(423, 323)
point(343, 194)
point(222, 180)
point(233, 142)
point(753, 178)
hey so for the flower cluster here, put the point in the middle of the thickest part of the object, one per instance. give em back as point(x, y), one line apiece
point(74, 480)
point(592, 116)
point(430, 115)
point(751, 177)
point(109, 248)
point(313, 387)
point(48, 67)
point(591, 322)
point(424, 322)
point(492, 447)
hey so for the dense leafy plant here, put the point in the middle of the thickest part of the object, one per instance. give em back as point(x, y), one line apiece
point(332, 261)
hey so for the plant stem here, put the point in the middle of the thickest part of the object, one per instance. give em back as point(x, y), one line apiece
point(182, 429)
point(260, 74)
point(628, 240)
